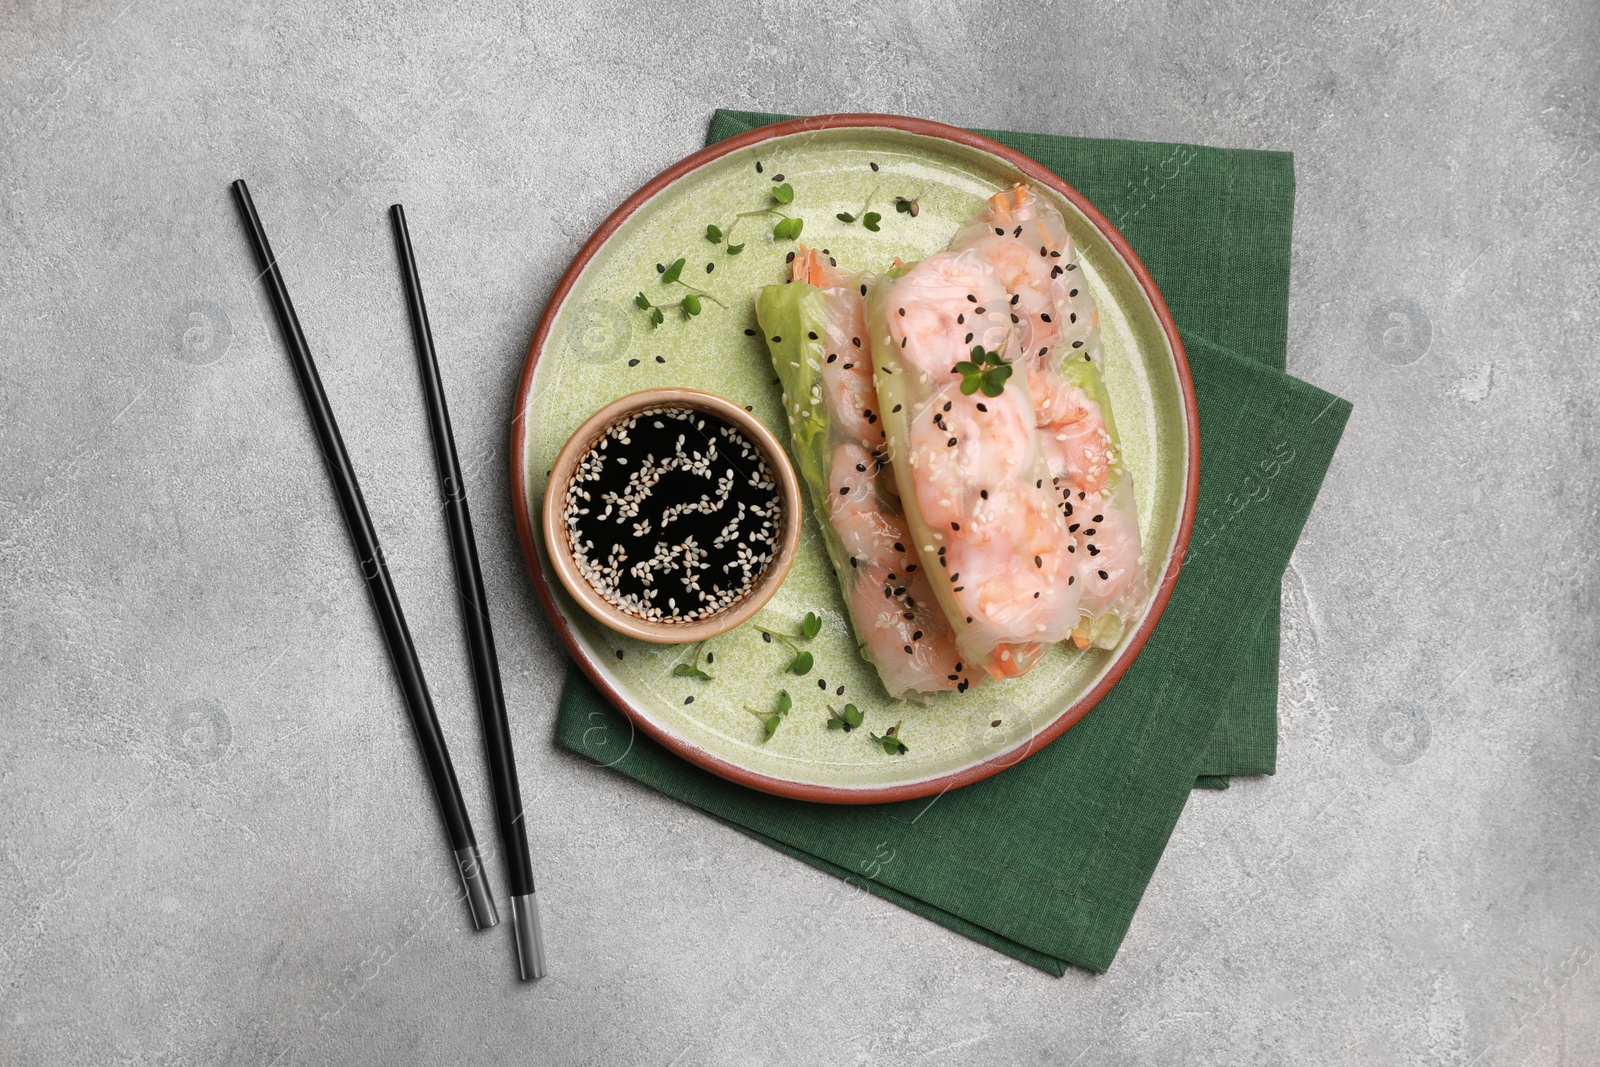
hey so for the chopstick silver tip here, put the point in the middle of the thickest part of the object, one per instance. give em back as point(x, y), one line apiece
point(529, 936)
point(480, 902)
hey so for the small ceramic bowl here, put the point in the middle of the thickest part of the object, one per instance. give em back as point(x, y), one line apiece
point(559, 549)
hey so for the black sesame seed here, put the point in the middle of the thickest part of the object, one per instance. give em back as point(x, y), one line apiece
point(1071, 578)
point(1014, 318)
point(874, 166)
point(908, 650)
point(968, 340)
point(777, 177)
point(952, 443)
point(839, 692)
point(1045, 350)
point(832, 356)
point(766, 637)
point(983, 407)
point(1077, 344)
point(812, 334)
point(619, 653)
point(1089, 532)
point(844, 490)
point(1074, 527)
point(661, 359)
point(777, 340)
point(998, 232)
point(980, 311)
point(961, 319)
point(1043, 251)
point(1038, 561)
point(633, 363)
point(856, 341)
point(1072, 266)
point(984, 493)
point(1098, 518)
point(822, 683)
point(897, 407)
point(688, 699)
point(749, 333)
point(1044, 317)
point(710, 267)
point(955, 526)
point(902, 313)
point(1073, 293)
point(789, 258)
point(863, 290)
point(661, 268)
point(758, 166)
point(1055, 255)
point(1103, 575)
point(972, 298)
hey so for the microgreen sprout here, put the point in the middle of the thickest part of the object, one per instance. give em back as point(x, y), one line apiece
point(890, 741)
point(692, 668)
point(690, 304)
point(909, 205)
point(869, 219)
point(770, 720)
point(809, 628)
point(845, 720)
point(787, 227)
point(985, 371)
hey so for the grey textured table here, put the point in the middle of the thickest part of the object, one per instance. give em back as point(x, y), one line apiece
point(218, 843)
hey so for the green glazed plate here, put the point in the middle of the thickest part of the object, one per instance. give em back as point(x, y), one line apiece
point(593, 346)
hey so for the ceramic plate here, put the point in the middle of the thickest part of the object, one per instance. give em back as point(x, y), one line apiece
point(593, 346)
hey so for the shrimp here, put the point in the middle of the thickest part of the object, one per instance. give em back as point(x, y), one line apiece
point(1025, 240)
point(896, 616)
point(817, 337)
point(971, 469)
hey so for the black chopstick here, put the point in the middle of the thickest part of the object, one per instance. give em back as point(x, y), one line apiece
point(475, 613)
point(384, 599)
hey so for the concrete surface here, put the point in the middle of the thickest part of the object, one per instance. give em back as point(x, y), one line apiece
point(218, 846)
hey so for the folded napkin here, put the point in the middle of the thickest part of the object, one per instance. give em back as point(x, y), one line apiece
point(1047, 861)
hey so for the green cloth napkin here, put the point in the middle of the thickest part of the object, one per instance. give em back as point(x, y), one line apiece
point(1047, 861)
